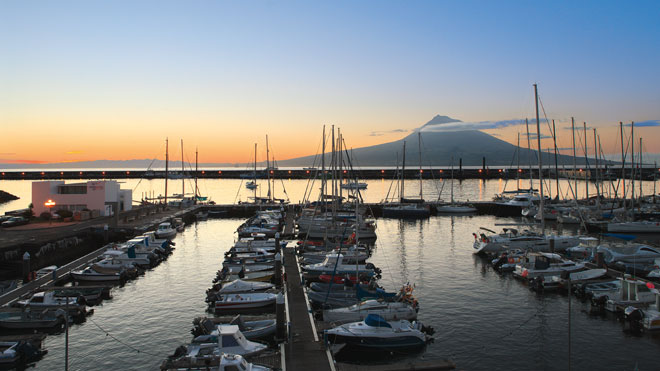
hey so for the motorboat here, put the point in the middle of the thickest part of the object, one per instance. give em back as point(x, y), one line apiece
point(254, 254)
point(110, 265)
point(388, 310)
point(229, 339)
point(649, 318)
point(375, 333)
point(28, 319)
point(630, 292)
point(129, 256)
point(232, 302)
point(10, 356)
point(351, 255)
point(240, 286)
point(203, 361)
point(259, 276)
point(46, 271)
point(545, 265)
point(629, 253)
point(250, 329)
point(165, 230)
point(179, 224)
point(91, 274)
point(334, 264)
point(49, 300)
point(640, 226)
point(510, 238)
point(456, 209)
point(251, 185)
point(18, 354)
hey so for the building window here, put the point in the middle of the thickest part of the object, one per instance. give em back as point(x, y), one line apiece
point(72, 189)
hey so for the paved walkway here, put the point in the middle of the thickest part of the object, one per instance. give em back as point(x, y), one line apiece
point(302, 351)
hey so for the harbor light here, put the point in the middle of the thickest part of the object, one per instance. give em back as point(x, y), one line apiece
point(520, 170)
point(307, 171)
point(499, 170)
point(382, 171)
point(440, 171)
point(42, 173)
point(104, 173)
point(289, 171)
point(203, 172)
point(128, 172)
point(81, 173)
point(49, 204)
point(271, 172)
point(22, 173)
point(219, 172)
point(480, 170)
point(345, 171)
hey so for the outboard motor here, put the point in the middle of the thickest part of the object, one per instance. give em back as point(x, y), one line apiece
point(634, 318)
point(598, 304)
point(179, 352)
point(503, 259)
point(537, 284)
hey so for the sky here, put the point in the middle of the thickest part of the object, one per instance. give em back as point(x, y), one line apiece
point(89, 80)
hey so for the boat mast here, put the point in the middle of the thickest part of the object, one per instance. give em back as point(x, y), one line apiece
point(323, 167)
point(554, 139)
point(529, 159)
point(183, 180)
point(598, 190)
point(340, 159)
point(196, 167)
point(632, 163)
point(419, 147)
point(641, 168)
point(623, 166)
point(517, 170)
point(574, 160)
point(452, 178)
point(538, 140)
point(167, 161)
point(403, 173)
point(268, 168)
point(254, 174)
point(587, 174)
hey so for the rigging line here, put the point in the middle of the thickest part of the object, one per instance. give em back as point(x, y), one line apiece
point(140, 181)
point(119, 341)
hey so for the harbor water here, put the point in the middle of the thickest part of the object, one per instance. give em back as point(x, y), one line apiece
point(483, 320)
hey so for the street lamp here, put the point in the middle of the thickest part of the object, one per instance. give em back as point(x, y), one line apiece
point(49, 204)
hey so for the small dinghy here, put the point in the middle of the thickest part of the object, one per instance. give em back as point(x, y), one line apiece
point(375, 333)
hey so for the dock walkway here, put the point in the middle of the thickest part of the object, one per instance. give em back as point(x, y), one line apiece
point(304, 351)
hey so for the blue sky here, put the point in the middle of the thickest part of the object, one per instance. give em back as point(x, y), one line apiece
point(240, 69)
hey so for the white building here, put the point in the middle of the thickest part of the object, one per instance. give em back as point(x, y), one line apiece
point(92, 195)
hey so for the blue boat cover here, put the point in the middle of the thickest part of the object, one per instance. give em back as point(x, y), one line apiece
point(375, 320)
point(625, 237)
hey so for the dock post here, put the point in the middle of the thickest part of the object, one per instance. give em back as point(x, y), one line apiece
point(552, 243)
point(460, 167)
point(280, 317)
point(277, 278)
point(26, 267)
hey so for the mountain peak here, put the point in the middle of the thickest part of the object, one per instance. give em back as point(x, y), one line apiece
point(438, 120)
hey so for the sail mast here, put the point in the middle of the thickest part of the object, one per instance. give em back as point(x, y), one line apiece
point(167, 161)
point(554, 139)
point(587, 174)
point(538, 140)
point(574, 160)
point(268, 168)
point(403, 173)
point(529, 159)
point(196, 167)
point(419, 146)
point(183, 180)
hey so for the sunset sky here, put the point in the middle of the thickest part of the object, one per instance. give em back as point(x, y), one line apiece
point(88, 80)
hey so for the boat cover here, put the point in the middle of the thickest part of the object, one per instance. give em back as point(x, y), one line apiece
point(375, 320)
point(244, 286)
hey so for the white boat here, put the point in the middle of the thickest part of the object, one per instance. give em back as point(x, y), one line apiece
point(631, 292)
point(232, 362)
point(521, 200)
point(375, 333)
point(250, 329)
point(545, 265)
point(629, 253)
point(233, 302)
point(229, 340)
point(511, 239)
point(165, 230)
point(390, 311)
point(334, 264)
point(179, 224)
point(116, 253)
point(456, 209)
point(90, 274)
point(27, 319)
point(642, 226)
point(251, 185)
point(48, 300)
point(240, 286)
point(651, 319)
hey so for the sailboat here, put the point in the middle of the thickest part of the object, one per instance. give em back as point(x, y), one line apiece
point(454, 208)
point(253, 183)
point(408, 208)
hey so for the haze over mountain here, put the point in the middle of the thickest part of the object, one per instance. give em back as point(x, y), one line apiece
point(443, 138)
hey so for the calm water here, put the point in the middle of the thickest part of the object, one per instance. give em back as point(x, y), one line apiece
point(483, 321)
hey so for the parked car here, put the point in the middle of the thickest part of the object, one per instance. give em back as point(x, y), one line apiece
point(14, 221)
point(4, 218)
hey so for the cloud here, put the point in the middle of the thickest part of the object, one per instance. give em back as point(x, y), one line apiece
point(11, 161)
point(578, 127)
point(534, 136)
point(643, 124)
point(481, 125)
point(74, 152)
point(380, 133)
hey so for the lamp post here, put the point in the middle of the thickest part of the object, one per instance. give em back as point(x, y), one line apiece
point(49, 204)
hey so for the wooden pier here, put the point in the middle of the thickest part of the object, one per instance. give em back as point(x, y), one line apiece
point(304, 350)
